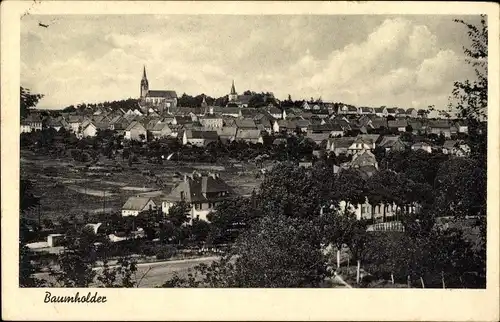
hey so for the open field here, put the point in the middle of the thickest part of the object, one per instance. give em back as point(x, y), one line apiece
point(66, 187)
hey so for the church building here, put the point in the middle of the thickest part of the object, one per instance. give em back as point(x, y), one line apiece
point(236, 100)
point(160, 100)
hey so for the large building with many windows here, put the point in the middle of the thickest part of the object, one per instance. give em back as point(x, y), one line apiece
point(201, 191)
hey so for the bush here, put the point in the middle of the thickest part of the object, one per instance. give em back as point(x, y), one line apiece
point(148, 249)
point(166, 252)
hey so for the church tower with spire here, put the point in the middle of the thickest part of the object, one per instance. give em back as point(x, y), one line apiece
point(233, 96)
point(144, 84)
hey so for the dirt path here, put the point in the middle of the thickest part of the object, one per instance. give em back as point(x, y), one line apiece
point(92, 192)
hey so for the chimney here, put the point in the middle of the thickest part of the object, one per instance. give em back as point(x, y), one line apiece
point(185, 178)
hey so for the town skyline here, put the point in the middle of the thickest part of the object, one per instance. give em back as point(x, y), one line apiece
point(405, 61)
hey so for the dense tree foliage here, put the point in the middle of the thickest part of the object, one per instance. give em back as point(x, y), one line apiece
point(278, 251)
point(28, 101)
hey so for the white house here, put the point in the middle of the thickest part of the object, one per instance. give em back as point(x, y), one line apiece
point(412, 113)
point(369, 211)
point(275, 112)
point(211, 121)
point(422, 146)
point(201, 192)
point(34, 121)
point(249, 135)
point(134, 205)
point(88, 129)
point(134, 131)
point(161, 130)
point(199, 138)
point(381, 111)
point(25, 127)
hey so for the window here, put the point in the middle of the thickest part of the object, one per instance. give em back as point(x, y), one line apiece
point(182, 195)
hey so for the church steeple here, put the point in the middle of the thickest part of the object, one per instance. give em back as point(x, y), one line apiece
point(144, 83)
point(233, 96)
point(233, 90)
point(204, 105)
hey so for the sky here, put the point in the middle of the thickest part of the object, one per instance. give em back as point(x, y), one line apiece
point(365, 60)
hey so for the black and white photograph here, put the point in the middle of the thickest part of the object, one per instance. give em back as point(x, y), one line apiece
point(236, 150)
point(253, 151)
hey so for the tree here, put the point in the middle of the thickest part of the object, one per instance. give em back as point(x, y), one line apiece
point(121, 276)
point(460, 188)
point(27, 199)
point(178, 214)
point(279, 251)
point(418, 166)
point(379, 153)
point(472, 96)
point(26, 269)
point(199, 230)
point(148, 221)
point(77, 260)
point(301, 191)
point(337, 229)
point(256, 100)
point(349, 187)
point(229, 219)
point(28, 101)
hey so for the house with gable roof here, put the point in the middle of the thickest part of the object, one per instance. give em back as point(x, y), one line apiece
point(412, 113)
point(201, 191)
point(397, 125)
point(381, 111)
point(439, 126)
point(340, 145)
point(365, 162)
point(249, 135)
point(422, 146)
point(392, 143)
point(135, 205)
point(87, 129)
point(135, 131)
point(161, 130)
point(199, 138)
point(227, 134)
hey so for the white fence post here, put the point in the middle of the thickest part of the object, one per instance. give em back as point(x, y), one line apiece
point(357, 271)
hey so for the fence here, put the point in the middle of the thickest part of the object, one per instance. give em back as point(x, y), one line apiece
point(387, 226)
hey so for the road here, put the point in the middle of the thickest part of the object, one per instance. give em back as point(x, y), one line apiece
point(157, 272)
